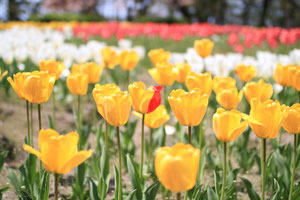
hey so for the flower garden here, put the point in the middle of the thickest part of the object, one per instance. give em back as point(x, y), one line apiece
point(149, 111)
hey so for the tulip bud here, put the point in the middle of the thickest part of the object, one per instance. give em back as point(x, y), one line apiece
point(292, 121)
point(203, 47)
point(245, 72)
point(203, 81)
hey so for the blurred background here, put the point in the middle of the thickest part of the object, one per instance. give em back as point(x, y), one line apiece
point(283, 13)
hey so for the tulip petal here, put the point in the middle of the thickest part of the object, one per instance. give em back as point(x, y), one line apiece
point(44, 136)
point(238, 131)
point(31, 150)
point(156, 99)
point(76, 160)
point(257, 127)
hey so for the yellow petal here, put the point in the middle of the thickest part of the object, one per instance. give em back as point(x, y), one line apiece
point(76, 160)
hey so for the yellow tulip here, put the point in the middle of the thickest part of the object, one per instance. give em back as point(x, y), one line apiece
point(282, 74)
point(188, 107)
point(227, 125)
point(156, 118)
point(159, 56)
point(183, 70)
point(259, 90)
point(110, 57)
point(144, 101)
point(4, 74)
point(37, 87)
point(77, 83)
point(18, 82)
point(220, 83)
point(93, 71)
point(52, 67)
point(295, 77)
point(177, 167)
point(58, 153)
point(115, 108)
point(245, 72)
point(128, 60)
point(229, 98)
point(292, 121)
point(203, 47)
point(163, 74)
point(203, 81)
point(105, 90)
point(266, 118)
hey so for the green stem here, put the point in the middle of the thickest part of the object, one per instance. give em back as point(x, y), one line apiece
point(200, 147)
point(79, 114)
point(128, 77)
point(263, 166)
point(204, 66)
point(106, 134)
point(53, 109)
point(185, 195)
point(120, 164)
point(178, 195)
point(56, 186)
point(165, 95)
point(31, 124)
point(94, 114)
point(224, 169)
point(142, 147)
point(294, 165)
point(28, 124)
point(282, 102)
point(150, 149)
point(190, 134)
point(40, 116)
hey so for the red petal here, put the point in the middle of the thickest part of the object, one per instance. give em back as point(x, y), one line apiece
point(155, 100)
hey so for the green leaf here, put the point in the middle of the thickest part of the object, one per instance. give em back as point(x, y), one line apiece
point(93, 190)
point(12, 177)
point(275, 193)
point(44, 188)
point(131, 195)
point(134, 178)
point(104, 165)
point(217, 184)
point(211, 195)
point(50, 122)
point(3, 156)
point(151, 191)
point(250, 189)
point(202, 162)
point(116, 172)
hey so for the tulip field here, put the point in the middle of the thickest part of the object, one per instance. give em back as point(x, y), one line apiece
point(133, 111)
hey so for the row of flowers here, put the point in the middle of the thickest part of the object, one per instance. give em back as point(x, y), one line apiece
point(265, 118)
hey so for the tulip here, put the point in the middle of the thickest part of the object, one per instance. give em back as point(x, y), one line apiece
point(259, 90)
point(159, 56)
point(245, 72)
point(227, 126)
point(282, 75)
point(183, 70)
point(188, 107)
point(295, 77)
point(2, 75)
point(77, 83)
point(229, 98)
point(105, 90)
point(163, 74)
point(128, 60)
point(144, 101)
point(220, 83)
point(115, 109)
point(203, 47)
point(177, 167)
point(203, 81)
point(52, 67)
point(265, 120)
point(93, 71)
point(58, 153)
point(110, 57)
point(292, 125)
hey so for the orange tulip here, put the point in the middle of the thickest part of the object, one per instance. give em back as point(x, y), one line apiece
point(128, 60)
point(77, 83)
point(292, 121)
point(282, 74)
point(266, 118)
point(229, 98)
point(4, 74)
point(227, 125)
point(220, 83)
point(110, 57)
point(203, 81)
point(177, 167)
point(18, 83)
point(52, 67)
point(58, 153)
point(203, 47)
point(183, 69)
point(245, 72)
point(259, 90)
point(93, 71)
point(105, 90)
point(163, 74)
point(159, 56)
point(295, 77)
